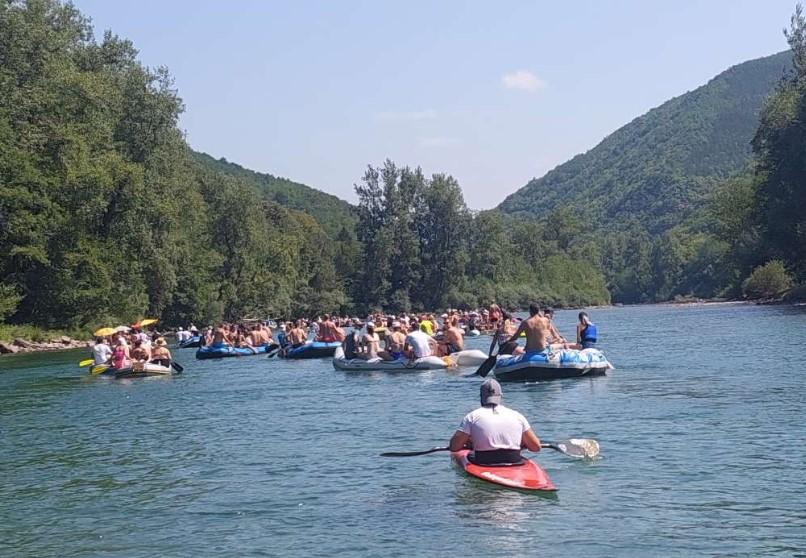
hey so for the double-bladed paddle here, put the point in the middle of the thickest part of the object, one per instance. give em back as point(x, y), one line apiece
point(86, 362)
point(579, 448)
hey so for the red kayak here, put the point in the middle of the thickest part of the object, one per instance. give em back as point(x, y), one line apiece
point(528, 476)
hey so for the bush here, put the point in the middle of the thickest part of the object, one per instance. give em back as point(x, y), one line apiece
point(9, 299)
point(768, 280)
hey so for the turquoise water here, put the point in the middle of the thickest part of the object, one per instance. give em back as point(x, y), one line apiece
point(701, 427)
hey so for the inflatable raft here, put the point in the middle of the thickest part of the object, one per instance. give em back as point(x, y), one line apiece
point(139, 370)
point(537, 367)
point(312, 349)
point(192, 343)
point(223, 351)
point(472, 357)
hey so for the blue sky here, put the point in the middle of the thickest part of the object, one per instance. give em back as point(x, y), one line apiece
point(494, 93)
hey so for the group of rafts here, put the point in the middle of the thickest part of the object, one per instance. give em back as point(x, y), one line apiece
point(528, 367)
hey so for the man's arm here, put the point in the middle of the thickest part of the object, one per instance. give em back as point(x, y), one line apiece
point(459, 439)
point(530, 441)
point(517, 333)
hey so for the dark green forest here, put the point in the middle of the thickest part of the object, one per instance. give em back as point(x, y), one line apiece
point(107, 215)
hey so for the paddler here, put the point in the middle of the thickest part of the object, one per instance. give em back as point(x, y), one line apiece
point(537, 331)
point(496, 433)
point(160, 353)
point(101, 351)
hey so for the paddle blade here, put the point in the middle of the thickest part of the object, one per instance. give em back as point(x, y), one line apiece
point(87, 362)
point(95, 370)
point(412, 453)
point(178, 367)
point(486, 366)
point(580, 448)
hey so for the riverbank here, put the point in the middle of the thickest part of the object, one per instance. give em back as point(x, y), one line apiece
point(30, 339)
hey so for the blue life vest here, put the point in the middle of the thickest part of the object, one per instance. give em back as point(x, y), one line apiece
point(589, 333)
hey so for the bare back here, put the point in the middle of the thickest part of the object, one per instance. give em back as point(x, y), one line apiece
point(537, 331)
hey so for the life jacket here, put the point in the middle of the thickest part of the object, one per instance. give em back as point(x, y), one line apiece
point(589, 333)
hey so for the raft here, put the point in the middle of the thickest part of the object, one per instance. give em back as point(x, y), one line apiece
point(471, 357)
point(192, 343)
point(139, 370)
point(312, 349)
point(223, 351)
point(545, 365)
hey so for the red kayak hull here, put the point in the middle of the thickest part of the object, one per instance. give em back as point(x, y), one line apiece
point(528, 476)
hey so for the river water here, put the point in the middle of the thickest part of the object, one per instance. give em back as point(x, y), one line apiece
point(701, 427)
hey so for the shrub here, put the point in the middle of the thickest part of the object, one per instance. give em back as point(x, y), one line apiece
point(767, 281)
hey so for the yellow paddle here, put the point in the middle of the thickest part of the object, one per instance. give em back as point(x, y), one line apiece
point(95, 370)
point(87, 362)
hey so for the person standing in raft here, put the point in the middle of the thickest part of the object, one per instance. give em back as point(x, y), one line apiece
point(586, 332)
point(454, 340)
point(537, 330)
point(496, 433)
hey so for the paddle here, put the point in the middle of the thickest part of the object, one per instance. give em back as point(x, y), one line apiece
point(87, 362)
point(98, 369)
point(178, 367)
point(579, 448)
point(272, 349)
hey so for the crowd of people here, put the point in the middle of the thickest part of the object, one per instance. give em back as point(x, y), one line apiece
point(127, 349)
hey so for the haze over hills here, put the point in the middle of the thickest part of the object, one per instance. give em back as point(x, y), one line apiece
point(659, 167)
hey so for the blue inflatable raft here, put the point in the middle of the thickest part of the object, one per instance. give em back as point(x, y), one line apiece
point(312, 349)
point(545, 365)
point(191, 343)
point(223, 351)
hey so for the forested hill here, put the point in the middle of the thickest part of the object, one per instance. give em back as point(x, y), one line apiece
point(659, 167)
point(332, 213)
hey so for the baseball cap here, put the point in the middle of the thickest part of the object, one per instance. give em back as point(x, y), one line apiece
point(490, 392)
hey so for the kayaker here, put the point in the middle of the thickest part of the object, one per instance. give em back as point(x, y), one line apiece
point(586, 332)
point(419, 344)
point(496, 433)
point(101, 351)
point(536, 328)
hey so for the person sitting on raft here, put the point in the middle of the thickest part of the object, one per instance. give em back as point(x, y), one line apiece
point(395, 344)
point(140, 353)
point(419, 344)
point(101, 351)
point(297, 336)
point(555, 340)
point(536, 328)
point(502, 335)
point(586, 332)
point(496, 433)
point(370, 343)
point(161, 355)
point(221, 337)
point(453, 340)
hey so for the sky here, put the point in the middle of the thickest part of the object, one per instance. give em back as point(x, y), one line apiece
point(493, 93)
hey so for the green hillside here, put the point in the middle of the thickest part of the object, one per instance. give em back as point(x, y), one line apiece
point(660, 167)
point(332, 213)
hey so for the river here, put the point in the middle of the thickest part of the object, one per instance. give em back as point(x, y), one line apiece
point(701, 427)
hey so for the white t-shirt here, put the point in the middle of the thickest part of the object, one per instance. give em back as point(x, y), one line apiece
point(495, 428)
point(418, 341)
point(101, 353)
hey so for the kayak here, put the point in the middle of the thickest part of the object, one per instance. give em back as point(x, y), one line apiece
point(138, 370)
point(545, 365)
point(527, 476)
point(312, 349)
point(471, 357)
point(223, 351)
point(192, 343)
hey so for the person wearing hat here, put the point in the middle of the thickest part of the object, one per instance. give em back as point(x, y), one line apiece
point(496, 433)
point(370, 343)
point(160, 353)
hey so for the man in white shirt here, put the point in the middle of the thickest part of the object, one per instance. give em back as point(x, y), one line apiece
point(101, 351)
point(420, 344)
point(496, 433)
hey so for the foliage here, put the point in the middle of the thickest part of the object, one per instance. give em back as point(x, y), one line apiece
point(768, 280)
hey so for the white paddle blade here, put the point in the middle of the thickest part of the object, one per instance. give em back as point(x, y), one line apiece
point(589, 448)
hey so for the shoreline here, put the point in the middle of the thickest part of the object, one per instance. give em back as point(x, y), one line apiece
point(26, 346)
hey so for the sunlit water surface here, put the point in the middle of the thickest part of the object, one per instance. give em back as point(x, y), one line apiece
point(701, 425)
